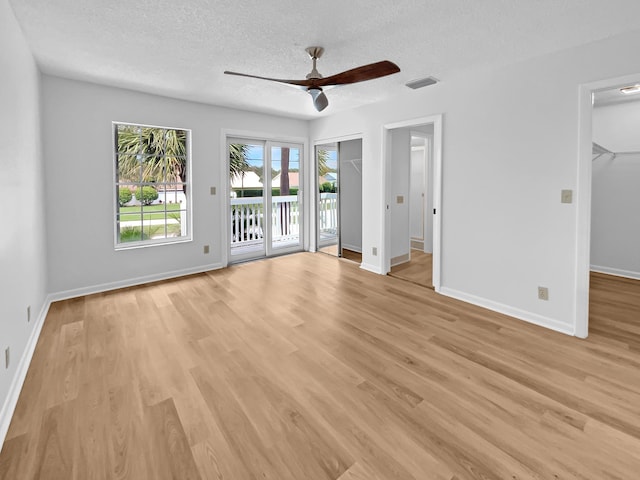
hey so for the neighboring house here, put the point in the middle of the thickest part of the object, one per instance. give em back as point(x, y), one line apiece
point(294, 180)
point(330, 177)
point(248, 180)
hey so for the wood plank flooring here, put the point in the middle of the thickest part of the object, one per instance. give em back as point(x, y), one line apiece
point(418, 270)
point(307, 368)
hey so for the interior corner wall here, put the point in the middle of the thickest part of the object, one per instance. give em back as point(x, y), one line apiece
point(350, 184)
point(80, 176)
point(22, 251)
point(510, 145)
point(615, 221)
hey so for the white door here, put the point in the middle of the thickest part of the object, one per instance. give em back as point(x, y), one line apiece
point(265, 208)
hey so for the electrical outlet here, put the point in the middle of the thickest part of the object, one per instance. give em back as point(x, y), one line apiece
point(543, 293)
point(213, 190)
point(28, 313)
point(7, 357)
point(374, 251)
point(400, 199)
point(206, 249)
point(566, 196)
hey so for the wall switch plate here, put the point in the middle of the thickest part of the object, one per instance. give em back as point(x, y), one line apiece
point(543, 293)
point(7, 357)
point(399, 199)
point(213, 190)
point(206, 249)
point(566, 196)
point(374, 251)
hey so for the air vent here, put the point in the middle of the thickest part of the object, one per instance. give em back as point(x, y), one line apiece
point(422, 82)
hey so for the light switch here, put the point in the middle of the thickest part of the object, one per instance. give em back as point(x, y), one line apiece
point(213, 190)
point(566, 196)
point(399, 199)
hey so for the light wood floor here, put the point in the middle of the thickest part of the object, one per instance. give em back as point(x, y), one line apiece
point(305, 368)
point(418, 270)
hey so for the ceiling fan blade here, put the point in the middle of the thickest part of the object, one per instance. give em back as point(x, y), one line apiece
point(320, 100)
point(359, 74)
point(299, 83)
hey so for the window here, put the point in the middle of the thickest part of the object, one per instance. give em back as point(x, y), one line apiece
point(151, 185)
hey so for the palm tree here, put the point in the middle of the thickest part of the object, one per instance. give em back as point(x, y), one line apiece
point(151, 154)
point(323, 159)
point(238, 164)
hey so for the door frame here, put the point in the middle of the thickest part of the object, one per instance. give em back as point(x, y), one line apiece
point(224, 186)
point(583, 197)
point(436, 120)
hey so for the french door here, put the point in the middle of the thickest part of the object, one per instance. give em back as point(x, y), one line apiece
point(265, 208)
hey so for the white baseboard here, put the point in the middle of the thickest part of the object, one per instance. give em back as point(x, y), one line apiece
point(616, 271)
point(9, 406)
point(131, 282)
point(371, 268)
point(353, 248)
point(400, 259)
point(511, 311)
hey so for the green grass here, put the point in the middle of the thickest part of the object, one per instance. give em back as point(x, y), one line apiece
point(150, 212)
point(134, 234)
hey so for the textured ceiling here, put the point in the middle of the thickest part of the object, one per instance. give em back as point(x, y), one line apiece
point(180, 48)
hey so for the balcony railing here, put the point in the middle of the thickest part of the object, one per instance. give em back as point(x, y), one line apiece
point(328, 216)
point(247, 221)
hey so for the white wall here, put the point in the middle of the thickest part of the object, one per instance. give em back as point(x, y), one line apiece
point(399, 207)
point(615, 211)
point(22, 252)
point(350, 184)
point(80, 233)
point(510, 145)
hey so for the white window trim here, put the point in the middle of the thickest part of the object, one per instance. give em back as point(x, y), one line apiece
point(114, 185)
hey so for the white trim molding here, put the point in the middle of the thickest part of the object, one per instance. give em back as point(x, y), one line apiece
point(529, 317)
point(616, 271)
point(131, 282)
point(11, 400)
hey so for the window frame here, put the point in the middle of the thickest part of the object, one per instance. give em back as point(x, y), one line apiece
point(118, 246)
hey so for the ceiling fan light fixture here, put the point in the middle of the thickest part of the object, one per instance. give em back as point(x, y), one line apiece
point(631, 89)
point(320, 100)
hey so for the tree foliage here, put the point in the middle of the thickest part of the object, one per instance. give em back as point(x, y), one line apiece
point(124, 196)
point(146, 195)
point(238, 163)
point(151, 154)
point(323, 162)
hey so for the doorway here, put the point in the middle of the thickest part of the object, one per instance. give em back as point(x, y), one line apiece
point(412, 179)
point(608, 174)
point(417, 266)
point(339, 206)
point(265, 207)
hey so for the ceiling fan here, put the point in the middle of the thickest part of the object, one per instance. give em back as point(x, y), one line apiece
point(314, 82)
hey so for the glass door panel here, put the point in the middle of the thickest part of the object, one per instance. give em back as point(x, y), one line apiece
point(247, 204)
point(328, 211)
point(286, 207)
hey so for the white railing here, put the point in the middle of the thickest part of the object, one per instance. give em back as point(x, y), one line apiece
point(328, 215)
point(247, 221)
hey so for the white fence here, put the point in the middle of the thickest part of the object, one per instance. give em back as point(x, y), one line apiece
point(328, 215)
point(247, 221)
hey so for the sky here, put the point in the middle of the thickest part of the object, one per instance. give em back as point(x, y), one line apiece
point(255, 157)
